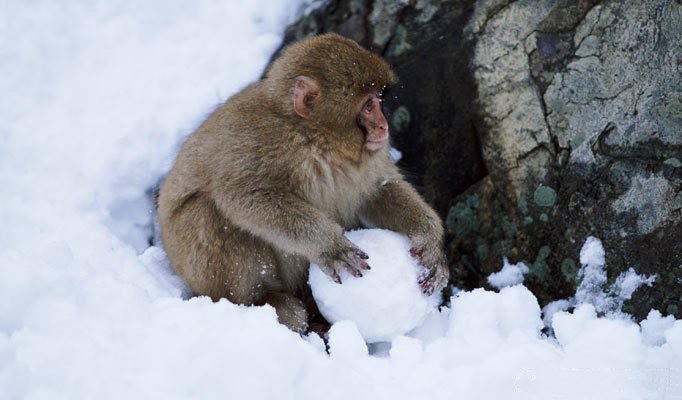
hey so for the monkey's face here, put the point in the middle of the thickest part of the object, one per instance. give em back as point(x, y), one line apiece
point(373, 123)
point(336, 85)
point(356, 122)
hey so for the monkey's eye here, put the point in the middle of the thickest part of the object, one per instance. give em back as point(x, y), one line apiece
point(369, 106)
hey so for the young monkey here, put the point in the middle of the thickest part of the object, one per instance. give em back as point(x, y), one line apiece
point(271, 179)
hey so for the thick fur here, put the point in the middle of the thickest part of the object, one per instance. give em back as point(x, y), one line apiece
point(257, 192)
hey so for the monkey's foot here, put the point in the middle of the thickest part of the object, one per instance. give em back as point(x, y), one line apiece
point(291, 311)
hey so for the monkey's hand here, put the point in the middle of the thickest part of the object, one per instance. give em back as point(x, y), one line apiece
point(343, 256)
point(436, 274)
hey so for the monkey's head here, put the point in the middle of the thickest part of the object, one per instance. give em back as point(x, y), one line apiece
point(332, 83)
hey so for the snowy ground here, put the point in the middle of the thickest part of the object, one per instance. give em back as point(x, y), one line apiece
point(96, 97)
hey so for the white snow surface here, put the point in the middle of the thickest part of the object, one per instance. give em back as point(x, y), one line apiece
point(509, 275)
point(97, 96)
point(386, 301)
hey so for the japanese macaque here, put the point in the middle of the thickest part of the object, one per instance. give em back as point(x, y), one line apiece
point(271, 179)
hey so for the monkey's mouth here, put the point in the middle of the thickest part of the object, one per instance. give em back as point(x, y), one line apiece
point(374, 145)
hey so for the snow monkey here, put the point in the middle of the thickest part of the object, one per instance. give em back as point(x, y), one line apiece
point(270, 180)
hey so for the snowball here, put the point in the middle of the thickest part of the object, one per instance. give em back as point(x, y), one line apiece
point(387, 301)
point(509, 275)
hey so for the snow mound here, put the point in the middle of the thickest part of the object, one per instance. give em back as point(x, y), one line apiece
point(654, 327)
point(484, 318)
point(387, 301)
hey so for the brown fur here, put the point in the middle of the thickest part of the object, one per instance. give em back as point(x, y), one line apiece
point(257, 192)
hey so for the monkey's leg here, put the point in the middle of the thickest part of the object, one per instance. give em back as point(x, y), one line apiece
point(291, 312)
point(217, 259)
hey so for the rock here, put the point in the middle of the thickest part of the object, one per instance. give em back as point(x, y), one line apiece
point(569, 93)
point(532, 124)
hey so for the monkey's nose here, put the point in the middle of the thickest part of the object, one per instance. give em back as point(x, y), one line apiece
point(381, 126)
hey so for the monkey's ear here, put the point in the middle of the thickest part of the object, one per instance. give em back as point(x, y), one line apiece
point(306, 91)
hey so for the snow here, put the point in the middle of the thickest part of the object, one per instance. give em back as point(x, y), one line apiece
point(509, 275)
point(592, 253)
point(346, 342)
point(96, 98)
point(395, 154)
point(552, 308)
point(386, 301)
point(654, 327)
point(592, 275)
point(627, 282)
point(592, 290)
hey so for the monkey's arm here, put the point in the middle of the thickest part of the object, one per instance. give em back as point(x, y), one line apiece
point(293, 225)
point(398, 207)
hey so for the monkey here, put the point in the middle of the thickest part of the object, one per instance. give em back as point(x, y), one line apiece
point(272, 178)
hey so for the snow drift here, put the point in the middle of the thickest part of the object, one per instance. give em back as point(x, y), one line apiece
point(96, 98)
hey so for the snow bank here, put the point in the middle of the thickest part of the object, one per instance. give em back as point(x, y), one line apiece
point(386, 301)
point(96, 98)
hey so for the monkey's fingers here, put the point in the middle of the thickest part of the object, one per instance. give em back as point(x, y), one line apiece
point(331, 272)
point(427, 282)
point(426, 275)
point(335, 276)
point(434, 280)
point(361, 254)
point(355, 260)
point(416, 252)
point(353, 271)
point(427, 288)
point(351, 263)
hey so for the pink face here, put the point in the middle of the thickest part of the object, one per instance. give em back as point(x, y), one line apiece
point(374, 123)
